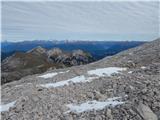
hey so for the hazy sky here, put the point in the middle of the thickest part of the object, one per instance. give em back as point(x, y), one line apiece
point(80, 20)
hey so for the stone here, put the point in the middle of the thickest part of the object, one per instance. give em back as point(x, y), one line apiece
point(146, 112)
point(98, 95)
point(109, 114)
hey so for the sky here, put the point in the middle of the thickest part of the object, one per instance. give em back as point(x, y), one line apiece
point(79, 20)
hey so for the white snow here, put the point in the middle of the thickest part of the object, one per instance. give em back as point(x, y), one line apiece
point(64, 71)
point(77, 79)
point(99, 72)
point(23, 85)
point(105, 71)
point(130, 72)
point(94, 105)
point(143, 67)
point(6, 106)
point(50, 75)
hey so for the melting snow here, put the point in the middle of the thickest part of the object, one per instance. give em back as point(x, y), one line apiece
point(50, 75)
point(143, 67)
point(23, 85)
point(99, 72)
point(130, 72)
point(105, 71)
point(64, 71)
point(6, 106)
point(77, 79)
point(94, 105)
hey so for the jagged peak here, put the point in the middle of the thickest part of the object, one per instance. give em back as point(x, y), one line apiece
point(37, 49)
point(77, 52)
point(54, 51)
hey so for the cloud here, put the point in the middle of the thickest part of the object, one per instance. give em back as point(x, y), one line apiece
point(82, 20)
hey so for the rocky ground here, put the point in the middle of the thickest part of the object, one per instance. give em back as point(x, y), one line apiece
point(79, 93)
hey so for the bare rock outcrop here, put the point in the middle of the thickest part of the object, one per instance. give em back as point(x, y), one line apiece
point(146, 113)
point(39, 60)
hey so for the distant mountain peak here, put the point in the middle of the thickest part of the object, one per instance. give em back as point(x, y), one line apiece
point(54, 51)
point(77, 52)
point(37, 50)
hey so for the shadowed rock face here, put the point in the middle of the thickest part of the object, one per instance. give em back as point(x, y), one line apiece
point(131, 94)
point(54, 52)
point(38, 51)
point(76, 57)
point(39, 60)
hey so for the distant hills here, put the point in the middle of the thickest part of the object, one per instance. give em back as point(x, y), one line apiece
point(98, 49)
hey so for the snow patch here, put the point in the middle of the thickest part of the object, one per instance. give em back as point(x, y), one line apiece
point(130, 72)
point(6, 106)
point(77, 79)
point(22, 85)
point(63, 72)
point(143, 67)
point(50, 75)
point(94, 105)
point(105, 71)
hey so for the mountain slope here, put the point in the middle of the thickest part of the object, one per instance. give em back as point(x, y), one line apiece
point(121, 87)
point(39, 60)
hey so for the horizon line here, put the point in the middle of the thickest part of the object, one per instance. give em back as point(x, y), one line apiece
point(78, 41)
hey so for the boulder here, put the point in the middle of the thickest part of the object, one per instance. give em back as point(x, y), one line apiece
point(146, 113)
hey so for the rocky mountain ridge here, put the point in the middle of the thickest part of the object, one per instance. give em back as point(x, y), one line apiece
point(121, 87)
point(38, 60)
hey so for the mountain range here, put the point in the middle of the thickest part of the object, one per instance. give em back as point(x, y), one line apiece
point(98, 49)
point(125, 86)
point(38, 60)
